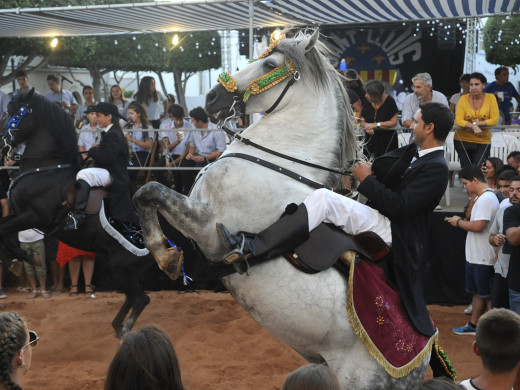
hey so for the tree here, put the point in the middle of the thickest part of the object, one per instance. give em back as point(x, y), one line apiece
point(93, 53)
point(27, 49)
point(155, 52)
point(501, 40)
point(195, 52)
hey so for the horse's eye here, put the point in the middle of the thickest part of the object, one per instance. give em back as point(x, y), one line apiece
point(270, 65)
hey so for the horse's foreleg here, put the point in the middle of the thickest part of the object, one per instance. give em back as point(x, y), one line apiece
point(139, 303)
point(117, 322)
point(192, 218)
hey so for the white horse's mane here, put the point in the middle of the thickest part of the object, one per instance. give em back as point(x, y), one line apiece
point(318, 73)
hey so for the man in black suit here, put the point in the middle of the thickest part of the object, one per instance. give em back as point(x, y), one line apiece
point(397, 210)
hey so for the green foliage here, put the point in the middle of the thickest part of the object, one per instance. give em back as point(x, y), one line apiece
point(141, 52)
point(501, 40)
point(195, 51)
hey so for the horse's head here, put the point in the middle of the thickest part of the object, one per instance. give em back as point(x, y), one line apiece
point(261, 84)
point(20, 125)
point(34, 118)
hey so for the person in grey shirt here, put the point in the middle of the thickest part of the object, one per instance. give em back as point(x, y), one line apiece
point(422, 93)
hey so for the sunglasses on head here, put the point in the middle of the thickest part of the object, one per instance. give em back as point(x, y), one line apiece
point(33, 339)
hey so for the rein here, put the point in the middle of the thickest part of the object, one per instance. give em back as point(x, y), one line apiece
point(38, 170)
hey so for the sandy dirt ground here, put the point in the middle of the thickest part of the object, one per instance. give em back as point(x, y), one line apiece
point(219, 346)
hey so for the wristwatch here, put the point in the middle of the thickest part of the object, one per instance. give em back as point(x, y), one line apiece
point(474, 123)
point(378, 124)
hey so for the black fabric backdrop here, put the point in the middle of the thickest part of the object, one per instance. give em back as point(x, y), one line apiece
point(445, 264)
point(443, 273)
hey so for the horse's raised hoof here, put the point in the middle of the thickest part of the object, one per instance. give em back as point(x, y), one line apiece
point(173, 267)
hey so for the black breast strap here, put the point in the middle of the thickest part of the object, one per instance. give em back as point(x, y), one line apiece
point(277, 168)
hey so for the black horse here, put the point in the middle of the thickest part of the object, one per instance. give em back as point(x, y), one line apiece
point(48, 166)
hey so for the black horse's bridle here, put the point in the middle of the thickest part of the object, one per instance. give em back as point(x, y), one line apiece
point(13, 124)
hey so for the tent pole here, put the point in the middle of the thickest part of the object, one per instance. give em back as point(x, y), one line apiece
point(251, 40)
point(251, 16)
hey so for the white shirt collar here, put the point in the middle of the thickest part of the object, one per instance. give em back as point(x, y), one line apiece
point(424, 152)
point(107, 128)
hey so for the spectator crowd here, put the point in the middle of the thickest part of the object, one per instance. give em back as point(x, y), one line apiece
point(159, 133)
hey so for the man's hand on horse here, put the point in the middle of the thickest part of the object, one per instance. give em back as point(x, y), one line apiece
point(361, 171)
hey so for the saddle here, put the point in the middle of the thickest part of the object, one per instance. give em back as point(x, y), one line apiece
point(131, 233)
point(327, 244)
point(94, 200)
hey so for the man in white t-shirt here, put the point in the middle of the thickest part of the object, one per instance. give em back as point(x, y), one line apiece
point(480, 255)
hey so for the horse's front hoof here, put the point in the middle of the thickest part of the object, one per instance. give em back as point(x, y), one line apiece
point(173, 263)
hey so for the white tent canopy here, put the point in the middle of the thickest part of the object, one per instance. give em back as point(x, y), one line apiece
point(196, 15)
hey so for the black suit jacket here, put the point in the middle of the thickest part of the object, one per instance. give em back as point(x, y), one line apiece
point(112, 154)
point(409, 205)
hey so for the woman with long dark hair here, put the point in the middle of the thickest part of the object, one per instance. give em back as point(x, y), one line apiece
point(154, 101)
point(138, 140)
point(146, 359)
point(118, 98)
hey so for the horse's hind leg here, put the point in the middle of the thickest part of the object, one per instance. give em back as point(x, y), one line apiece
point(194, 219)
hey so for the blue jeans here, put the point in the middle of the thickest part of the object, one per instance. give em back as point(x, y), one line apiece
point(514, 301)
point(471, 153)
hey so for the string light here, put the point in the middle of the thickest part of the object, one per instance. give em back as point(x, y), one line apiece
point(54, 42)
point(175, 40)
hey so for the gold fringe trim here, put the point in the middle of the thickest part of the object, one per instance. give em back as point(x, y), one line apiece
point(396, 372)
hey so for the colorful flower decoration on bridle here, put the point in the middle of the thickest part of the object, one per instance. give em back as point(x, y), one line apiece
point(263, 83)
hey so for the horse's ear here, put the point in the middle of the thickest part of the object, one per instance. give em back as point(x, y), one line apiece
point(312, 40)
point(27, 95)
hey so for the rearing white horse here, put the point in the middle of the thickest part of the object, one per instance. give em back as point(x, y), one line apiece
point(312, 122)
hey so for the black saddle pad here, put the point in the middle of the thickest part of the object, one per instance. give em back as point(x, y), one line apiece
point(130, 231)
point(327, 243)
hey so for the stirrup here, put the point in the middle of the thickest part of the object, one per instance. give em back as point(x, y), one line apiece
point(71, 218)
point(236, 254)
point(237, 259)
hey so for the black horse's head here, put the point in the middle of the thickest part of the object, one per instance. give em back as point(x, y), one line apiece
point(31, 114)
point(19, 125)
